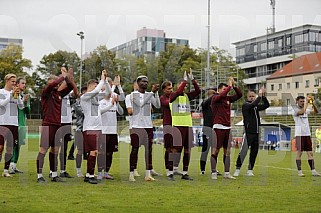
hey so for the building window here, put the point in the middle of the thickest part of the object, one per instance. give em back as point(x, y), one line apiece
point(255, 48)
point(312, 36)
point(288, 102)
point(280, 87)
point(316, 82)
point(280, 41)
point(271, 45)
point(263, 46)
point(298, 39)
point(288, 85)
point(297, 85)
point(272, 87)
point(305, 37)
point(288, 41)
point(307, 83)
point(240, 52)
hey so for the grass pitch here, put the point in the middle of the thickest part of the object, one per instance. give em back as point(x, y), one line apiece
point(275, 187)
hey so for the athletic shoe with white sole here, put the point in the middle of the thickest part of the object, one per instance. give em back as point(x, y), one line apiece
point(236, 173)
point(131, 178)
point(154, 173)
point(250, 173)
point(229, 176)
point(214, 176)
point(136, 174)
point(6, 174)
point(80, 175)
point(300, 173)
point(149, 178)
point(315, 173)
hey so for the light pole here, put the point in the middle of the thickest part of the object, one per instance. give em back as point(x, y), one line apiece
point(208, 67)
point(82, 36)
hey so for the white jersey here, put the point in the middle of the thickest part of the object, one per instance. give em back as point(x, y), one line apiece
point(66, 116)
point(128, 104)
point(109, 115)
point(89, 104)
point(9, 108)
point(142, 104)
point(302, 127)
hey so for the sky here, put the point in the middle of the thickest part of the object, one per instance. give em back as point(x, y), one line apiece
point(48, 26)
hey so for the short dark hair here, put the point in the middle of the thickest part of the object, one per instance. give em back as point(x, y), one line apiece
point(83, 89)
point(221, 85)
point(251, 90)
point(300, 97)
point(166, 83)
point(92, 81)
point(139, 78)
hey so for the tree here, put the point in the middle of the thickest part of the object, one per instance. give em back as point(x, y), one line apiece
point(11, 61)
point(51, 64)
point(101, 58)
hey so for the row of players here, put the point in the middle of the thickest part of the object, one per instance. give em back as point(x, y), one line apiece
point(97, 126)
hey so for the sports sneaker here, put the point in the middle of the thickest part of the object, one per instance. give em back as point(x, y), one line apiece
point(300, 173)
point(57, 179)
point(92, 180)
point(218, 173)
point(6, 174)
point(214, 176)
point(154, 173)
point(108, 177)
point(131, 178)
point(11, 170)
point(177, 172)
point(315, 173)
point(65, 175)
point(186, 177)
point(136, 174)
point(86, 179)
point(41, 180)
point(170, 177)
point(17, 171)
point(250, 173)
point(229, 176)
point(80, 175)
point(202, 173)
point(99, 178)
point(149, 178)
point(236, 173)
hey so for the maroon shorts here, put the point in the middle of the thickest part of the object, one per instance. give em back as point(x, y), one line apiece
point(222, 138)
point(141, 136)
point(91, 140)
point(303, 143)
point(50, 136)
point(9, 134)
point(183, 137)
point(109, 143)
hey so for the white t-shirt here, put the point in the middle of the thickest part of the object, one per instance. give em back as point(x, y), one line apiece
point(66, 116)
point(90, 105)
point(302, 127)
point(9, 108)
point(142, 103)
point(128, 104)
point(108, 116)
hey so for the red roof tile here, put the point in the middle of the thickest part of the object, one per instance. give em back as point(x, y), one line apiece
point(306, 64)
